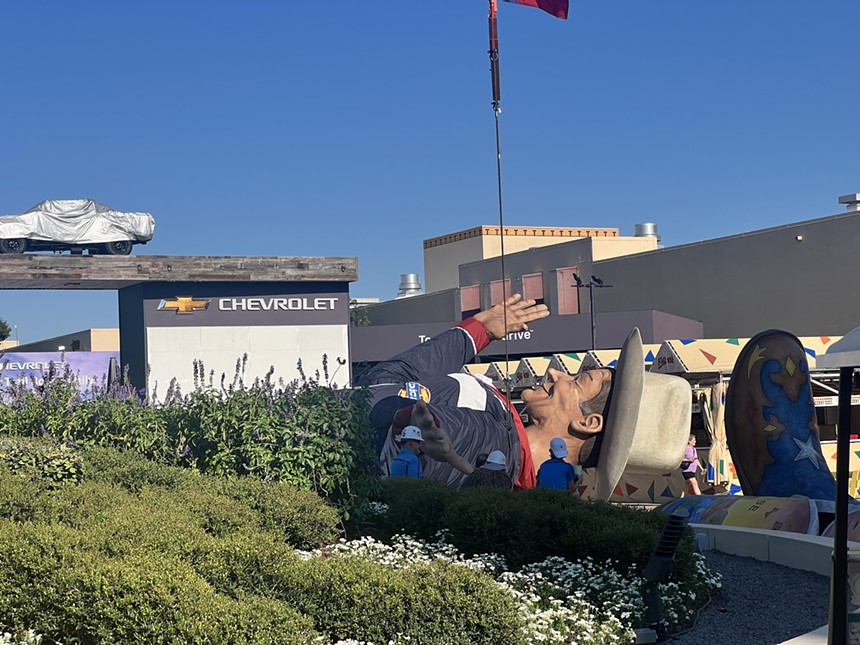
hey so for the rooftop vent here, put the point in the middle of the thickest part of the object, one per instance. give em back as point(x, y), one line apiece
point(410, 285)
point(852, 202)
point(649, 229)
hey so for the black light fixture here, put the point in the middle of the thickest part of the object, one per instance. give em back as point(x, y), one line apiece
point(843, 355)
point(594, 283)
point(657, 570)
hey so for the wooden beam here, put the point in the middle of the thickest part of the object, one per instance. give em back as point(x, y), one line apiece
point(96, 272)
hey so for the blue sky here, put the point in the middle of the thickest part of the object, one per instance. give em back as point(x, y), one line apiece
point(362, 128)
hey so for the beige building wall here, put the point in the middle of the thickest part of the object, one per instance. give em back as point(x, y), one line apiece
point(614, 247)
point(104, 340)
point(6, 345)
point(87, 340)
point(443, 255)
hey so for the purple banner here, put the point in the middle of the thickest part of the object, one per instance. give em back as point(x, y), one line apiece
point(89, 367)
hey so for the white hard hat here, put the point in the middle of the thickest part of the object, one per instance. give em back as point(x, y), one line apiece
point(411, 433)
point(495, 461)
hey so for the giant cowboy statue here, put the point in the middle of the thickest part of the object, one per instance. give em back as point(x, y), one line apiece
point(610, 419)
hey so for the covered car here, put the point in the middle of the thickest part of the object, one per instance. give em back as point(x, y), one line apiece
point(74, 225)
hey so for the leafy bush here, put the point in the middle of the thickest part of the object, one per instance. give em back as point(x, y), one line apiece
point(43, 461)
point(118, 559)
point(54, 584)
point(305, 433)
point(131, 471)
point(528, 526)
point(300, 517)
point(431, 603)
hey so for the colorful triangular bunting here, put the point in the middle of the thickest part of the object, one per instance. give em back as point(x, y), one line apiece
point(709, 357)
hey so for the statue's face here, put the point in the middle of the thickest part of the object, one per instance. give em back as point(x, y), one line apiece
point(554, 408)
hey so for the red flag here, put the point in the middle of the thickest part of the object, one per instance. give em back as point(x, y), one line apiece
point(557, 8)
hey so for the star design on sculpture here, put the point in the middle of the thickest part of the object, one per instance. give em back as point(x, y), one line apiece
point(807, 450)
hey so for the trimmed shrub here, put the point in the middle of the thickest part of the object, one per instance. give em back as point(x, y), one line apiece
point(527, 526)
point(300, 517)
point(131, 499)
point(102, 563)
point(439, 603)
point(351, 598)
point(55, 585)
point(17, 495)
point(132, 471)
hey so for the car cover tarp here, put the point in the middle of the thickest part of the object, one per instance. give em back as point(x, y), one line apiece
point(77, 221)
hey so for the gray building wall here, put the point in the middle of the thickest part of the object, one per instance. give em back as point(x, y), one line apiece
point(556, 334)
point(438, 307)
point(801, 277)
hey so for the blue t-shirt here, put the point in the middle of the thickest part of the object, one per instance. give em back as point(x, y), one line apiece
point(406, 464)
point(555, 473)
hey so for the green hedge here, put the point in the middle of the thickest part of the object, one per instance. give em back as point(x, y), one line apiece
point(527, 526)
point(299, 516)
point(145, 553)
point(54, 582)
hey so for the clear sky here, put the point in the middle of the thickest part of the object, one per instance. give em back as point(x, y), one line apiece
point(279, 128)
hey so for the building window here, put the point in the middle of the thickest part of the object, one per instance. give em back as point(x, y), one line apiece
point(533, 287)
point(499, 290)
point(568, 294)
point(470, 300)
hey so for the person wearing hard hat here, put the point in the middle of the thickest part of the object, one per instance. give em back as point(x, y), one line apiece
point(490, 474)
point(406, 462)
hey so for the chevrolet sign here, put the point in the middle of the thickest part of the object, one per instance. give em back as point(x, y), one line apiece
point(28, 365)
point(276, 304)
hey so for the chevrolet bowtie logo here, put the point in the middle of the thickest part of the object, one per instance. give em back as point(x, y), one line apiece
point(183, 305)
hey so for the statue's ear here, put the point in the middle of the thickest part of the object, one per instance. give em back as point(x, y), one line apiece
point(589, 424)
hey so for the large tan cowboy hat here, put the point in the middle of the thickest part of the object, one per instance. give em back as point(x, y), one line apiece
point(648, 423)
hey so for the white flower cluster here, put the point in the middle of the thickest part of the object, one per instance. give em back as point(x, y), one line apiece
point(30, 638)
point(405, 551)
point(562, 602)
point(376, 508)
point(398, 640)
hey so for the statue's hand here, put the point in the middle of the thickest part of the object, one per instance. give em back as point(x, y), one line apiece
point(437, 444)
point(513, 315)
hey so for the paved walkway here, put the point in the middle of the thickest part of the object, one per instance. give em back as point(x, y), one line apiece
point(818, 637)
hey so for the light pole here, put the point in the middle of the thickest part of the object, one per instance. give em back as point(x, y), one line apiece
point(594, 283)
point(844, 354)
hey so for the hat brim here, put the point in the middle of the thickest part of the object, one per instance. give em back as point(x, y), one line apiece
point(490, 466)
point(620, 422)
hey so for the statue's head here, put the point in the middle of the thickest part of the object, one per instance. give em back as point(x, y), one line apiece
point(612, 419)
